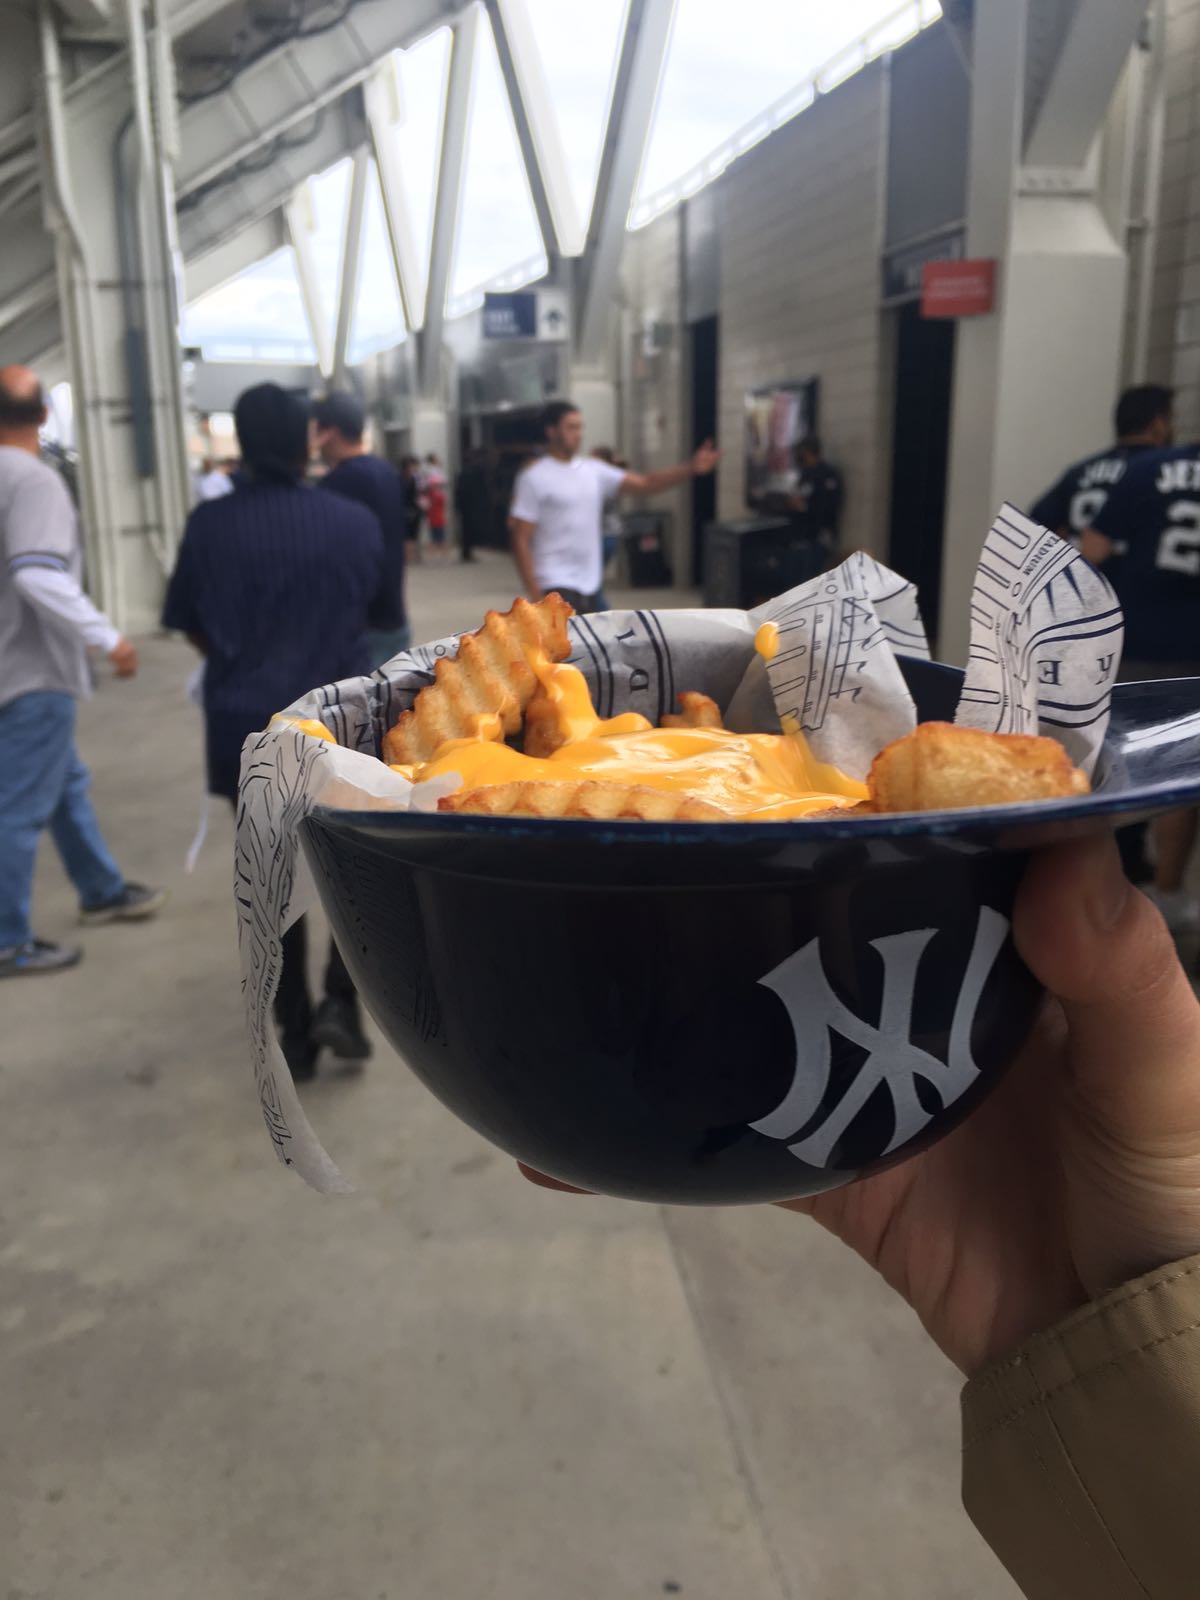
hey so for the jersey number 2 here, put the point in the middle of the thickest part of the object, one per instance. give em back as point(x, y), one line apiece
point(1179, 546)
point(1086, 506)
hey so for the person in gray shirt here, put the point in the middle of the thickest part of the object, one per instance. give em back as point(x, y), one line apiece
point(47, 626)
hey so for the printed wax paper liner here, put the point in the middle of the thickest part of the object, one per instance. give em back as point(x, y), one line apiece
point(1044, 625)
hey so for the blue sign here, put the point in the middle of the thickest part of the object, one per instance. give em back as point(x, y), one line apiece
point(510, 316)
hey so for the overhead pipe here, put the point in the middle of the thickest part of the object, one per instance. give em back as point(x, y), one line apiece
point(125, 191)
point(79, 304)
point(1145, 228)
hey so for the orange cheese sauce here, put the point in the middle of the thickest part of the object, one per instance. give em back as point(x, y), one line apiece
point(759, 776)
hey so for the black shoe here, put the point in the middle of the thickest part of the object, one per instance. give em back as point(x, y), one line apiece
point(300, 1053)
point(39, 955)
point(337, 1028)
point(134, 904)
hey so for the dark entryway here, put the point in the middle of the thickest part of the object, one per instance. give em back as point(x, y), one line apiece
point(506, 441)
point(921, 449)
point(704, 426)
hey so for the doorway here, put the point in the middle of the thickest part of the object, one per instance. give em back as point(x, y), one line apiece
point(704, 342)
point(921, 453)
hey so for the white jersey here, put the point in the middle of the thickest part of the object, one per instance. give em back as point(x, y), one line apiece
point(565, 502)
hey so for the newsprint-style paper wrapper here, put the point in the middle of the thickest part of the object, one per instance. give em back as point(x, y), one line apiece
point(1046, 635)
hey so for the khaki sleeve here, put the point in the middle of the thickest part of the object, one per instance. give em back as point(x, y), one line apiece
point(1081, 1453)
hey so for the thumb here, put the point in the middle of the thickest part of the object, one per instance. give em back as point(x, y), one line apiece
point(1133, 1022)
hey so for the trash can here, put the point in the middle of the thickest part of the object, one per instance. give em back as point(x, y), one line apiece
point(751, 561)
point(646, 535)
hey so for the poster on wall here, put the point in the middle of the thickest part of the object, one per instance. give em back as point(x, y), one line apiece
point(777, 418)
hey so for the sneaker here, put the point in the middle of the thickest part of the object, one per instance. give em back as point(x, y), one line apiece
point(1181, 910)
point(39, 955)
point(300, 1053)
point(337, 1028)
point(134, 904)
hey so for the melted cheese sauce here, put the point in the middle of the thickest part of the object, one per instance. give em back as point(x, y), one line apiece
point(763, 776)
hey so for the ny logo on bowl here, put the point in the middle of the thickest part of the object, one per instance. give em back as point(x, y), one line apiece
point(892, 1057)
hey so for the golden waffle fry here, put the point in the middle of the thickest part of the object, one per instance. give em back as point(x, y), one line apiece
point(544, 730)
point(603, 801)
point(941, 767)
point(490, 675)
point(695, 711)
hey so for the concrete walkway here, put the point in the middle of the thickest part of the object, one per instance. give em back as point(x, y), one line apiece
point(449, 1386)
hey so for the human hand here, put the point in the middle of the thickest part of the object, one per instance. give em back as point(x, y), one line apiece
point(124, 658)
point(1081, 1169)
point(705, 459)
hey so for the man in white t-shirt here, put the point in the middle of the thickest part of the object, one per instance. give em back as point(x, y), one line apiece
point(558, 508)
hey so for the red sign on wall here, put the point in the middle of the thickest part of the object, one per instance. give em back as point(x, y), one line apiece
point(958, 288)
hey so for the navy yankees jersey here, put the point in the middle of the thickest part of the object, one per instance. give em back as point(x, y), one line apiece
point(1153, 512)
point(1078, 497)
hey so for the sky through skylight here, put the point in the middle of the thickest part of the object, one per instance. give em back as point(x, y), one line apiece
point(718, 77)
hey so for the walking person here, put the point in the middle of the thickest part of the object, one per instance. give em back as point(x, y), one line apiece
point(433, 503)
point(338, 425)
point(47, 627)
point(473, 502)
point(558, 508)
point(274, 585)
point(213, 480)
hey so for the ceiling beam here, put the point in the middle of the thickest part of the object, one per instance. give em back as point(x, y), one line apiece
point(352, 243)
point(381, 96)
point(87, 13)
point(1093, 53)
point(204, 273)
point(447, 203)
point(635, 94)
point(27, 300)
point(300, 217)
point(287, 86)
point(246, 194)
point(538, 133)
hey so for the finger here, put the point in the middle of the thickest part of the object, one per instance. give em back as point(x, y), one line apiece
point(544, 1181)
point(1133, 1021)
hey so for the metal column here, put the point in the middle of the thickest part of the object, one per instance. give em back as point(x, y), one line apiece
point(448, 200)
point(351, 263)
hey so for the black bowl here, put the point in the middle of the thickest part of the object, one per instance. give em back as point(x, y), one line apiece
point(719, 1012)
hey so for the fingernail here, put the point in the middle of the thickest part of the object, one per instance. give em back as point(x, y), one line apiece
point(1108, 889)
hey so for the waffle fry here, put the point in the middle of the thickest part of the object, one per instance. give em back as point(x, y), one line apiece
point(489, 676)
point(941, 767)
point(695, 711)
point(601, 801)
point(544, 731)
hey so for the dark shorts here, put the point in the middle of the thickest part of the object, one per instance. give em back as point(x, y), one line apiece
point(581, 603)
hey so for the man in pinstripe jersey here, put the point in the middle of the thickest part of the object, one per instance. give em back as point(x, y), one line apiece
point(47, 626)
point(275, 585)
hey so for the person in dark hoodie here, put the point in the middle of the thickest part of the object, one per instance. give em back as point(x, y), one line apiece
point(274, 585)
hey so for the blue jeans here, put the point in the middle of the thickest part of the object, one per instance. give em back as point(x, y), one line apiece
point(43, 783)
point(384, 643)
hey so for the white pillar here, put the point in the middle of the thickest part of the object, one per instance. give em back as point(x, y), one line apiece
point(596, 396)
point(122, 355)
point(1034, 381)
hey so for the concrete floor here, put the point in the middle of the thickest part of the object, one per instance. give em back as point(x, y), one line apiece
point(449, 1386)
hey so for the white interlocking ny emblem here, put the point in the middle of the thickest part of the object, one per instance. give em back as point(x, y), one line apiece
point(893, 1059)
